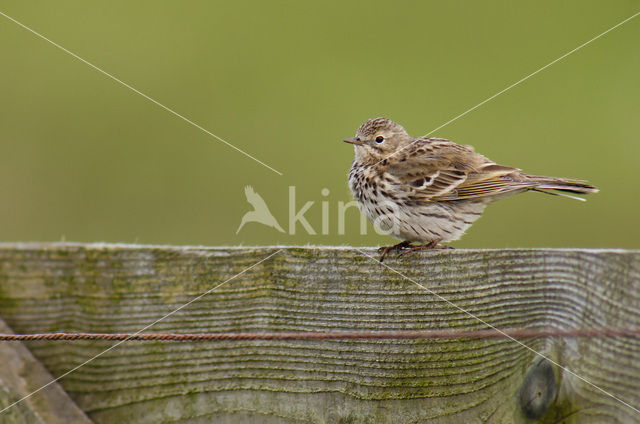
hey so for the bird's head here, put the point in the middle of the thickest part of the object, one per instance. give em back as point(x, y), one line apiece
point(376, 139)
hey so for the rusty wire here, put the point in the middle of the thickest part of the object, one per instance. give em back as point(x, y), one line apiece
point(600, 332)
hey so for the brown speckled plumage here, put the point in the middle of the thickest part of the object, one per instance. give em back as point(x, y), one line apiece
point(430, 190)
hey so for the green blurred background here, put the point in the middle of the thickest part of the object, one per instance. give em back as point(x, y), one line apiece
point(83, 158)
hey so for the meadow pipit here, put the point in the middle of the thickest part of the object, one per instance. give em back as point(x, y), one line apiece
point(430, 190)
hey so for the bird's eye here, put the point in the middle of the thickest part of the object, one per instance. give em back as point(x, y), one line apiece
point(379, 139)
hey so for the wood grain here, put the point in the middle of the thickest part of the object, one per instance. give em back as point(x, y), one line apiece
point(122, 288)
point(20, 375)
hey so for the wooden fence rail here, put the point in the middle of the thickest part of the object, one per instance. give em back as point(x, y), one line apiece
point(101, 288)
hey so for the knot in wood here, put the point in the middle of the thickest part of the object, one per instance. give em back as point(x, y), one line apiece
point(538, 389)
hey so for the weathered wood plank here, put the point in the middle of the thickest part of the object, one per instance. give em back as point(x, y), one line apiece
point(20, 375)
point(118, 288)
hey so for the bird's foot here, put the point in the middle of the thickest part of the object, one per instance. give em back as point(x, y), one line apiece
point(429, 246)
point(386, 249)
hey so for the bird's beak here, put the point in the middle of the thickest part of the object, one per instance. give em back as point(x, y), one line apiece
point(353, 140)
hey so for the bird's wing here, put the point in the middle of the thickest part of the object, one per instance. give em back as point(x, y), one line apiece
point(254, 199)
point(248, 191)
point(438, 169)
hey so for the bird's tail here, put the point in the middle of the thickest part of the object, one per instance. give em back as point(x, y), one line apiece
point(561, 186)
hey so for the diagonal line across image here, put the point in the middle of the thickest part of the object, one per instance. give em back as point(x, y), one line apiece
point(130, 337)
point(488, 99)
point(278, 172)
point(168, 109)
point(503, 333)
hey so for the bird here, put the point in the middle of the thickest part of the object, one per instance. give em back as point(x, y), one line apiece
point(430, 190)
point(260, 212)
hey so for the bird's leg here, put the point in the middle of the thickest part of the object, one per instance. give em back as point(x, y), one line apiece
point(387, 249)
point(429, 246)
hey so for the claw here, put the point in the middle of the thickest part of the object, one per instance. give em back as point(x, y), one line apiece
point(387, 249)
point(428, 246)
